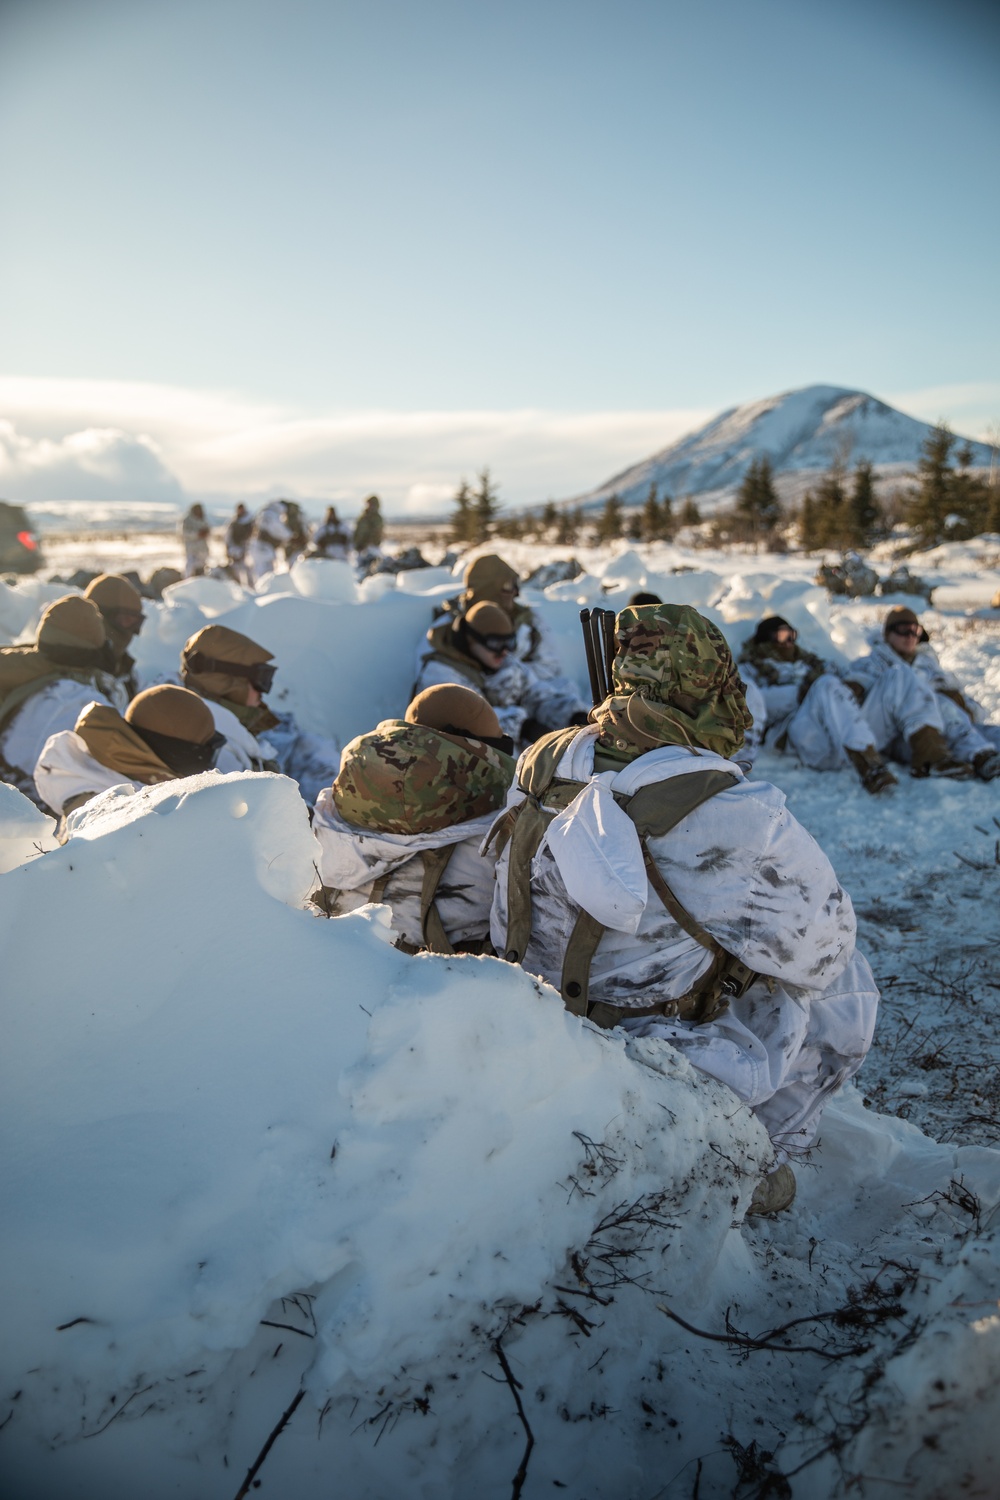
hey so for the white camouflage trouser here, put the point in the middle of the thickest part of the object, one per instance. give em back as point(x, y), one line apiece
point(260, 557)
point(827, 722)
point(901, 703)
point(783, 1054)
point(965, 739)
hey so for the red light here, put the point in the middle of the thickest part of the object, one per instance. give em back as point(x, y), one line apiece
point(27, 540)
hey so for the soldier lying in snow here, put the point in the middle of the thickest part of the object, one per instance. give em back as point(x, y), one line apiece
point(669, 895)
point(809, 709)
point(166, 733)
point(477, 651)
point(405, 818)
point(949, 737)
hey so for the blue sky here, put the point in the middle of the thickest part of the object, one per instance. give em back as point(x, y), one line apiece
point(589, 224)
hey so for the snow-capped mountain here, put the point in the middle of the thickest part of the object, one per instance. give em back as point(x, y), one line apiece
point(802, 432)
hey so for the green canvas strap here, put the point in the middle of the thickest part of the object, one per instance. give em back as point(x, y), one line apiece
point(655, 810)
point(435, 863)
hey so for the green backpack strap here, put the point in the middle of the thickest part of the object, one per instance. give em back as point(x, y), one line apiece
point(655, 810)
point(435, 863)
point(524, 826)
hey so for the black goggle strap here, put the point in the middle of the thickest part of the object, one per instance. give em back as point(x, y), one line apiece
point(260, 674)
point(495, 643)
point(495, 741)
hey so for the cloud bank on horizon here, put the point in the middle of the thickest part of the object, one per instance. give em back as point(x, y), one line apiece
point(103, 441)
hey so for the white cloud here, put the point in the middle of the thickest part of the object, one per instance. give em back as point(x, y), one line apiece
point(224, 445)
point(93, 464)
point(969, 409)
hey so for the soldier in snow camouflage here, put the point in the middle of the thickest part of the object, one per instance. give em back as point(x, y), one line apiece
point(405, 818)
point(737, 869)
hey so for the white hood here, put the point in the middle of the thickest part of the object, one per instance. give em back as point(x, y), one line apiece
point(351, 857)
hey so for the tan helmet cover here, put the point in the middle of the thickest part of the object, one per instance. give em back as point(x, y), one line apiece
point(114, 743)
point(489, 619)
point(173, 711)
point(111, 591)
point(447, 703)
point(73, 621)
point(490, 578)
point(223, 644)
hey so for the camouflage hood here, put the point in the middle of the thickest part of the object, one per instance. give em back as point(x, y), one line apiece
point(407, 779)
point(674, 684)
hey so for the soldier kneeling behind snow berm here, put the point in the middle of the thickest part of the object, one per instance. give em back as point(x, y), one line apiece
point(406, 817)
point(644, 877)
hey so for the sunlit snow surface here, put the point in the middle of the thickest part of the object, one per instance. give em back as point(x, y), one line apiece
point(249, 1151)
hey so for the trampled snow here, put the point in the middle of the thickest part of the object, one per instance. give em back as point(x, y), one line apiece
point(252, 1152)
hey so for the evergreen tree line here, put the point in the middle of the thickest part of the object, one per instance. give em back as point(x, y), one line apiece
point(842, 510)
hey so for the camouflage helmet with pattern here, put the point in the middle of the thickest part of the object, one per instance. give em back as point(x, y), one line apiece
point(674, 683)
point(407, 778)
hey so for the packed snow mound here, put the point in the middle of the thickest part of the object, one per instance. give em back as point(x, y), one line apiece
point(799, 431)
point(251, 1101)
point(25, 831)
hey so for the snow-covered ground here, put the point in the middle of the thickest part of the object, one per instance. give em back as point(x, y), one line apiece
point(259, 1165)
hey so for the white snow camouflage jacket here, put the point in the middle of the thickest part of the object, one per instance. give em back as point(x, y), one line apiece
point(740, 864)
point(351, 859)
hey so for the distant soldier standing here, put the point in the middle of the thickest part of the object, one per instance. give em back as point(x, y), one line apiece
point(195, 532)
point(237, 537)
point(368, 531)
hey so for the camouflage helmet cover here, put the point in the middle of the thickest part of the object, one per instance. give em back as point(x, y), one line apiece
point(674, 683)
point(406, 778)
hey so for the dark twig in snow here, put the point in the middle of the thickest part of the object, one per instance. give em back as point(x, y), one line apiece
point(515, 1390)
point(279, 1428)
point(118, 1413)
point(744, 1341)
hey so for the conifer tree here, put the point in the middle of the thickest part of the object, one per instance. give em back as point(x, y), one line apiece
point(689, 514)
point(809, 524)
point(462, 517)
point(832, 528)
point(651, 518)
point(668, 526)
point(550, 518)
point(757, 506)
point(485, 506)
point(609, 527)
point(567, 528)
point(864, 510)
point(930, 507)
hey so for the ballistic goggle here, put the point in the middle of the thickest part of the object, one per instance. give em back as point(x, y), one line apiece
point(495, 643)
point(260, 674)
point(183, 757)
